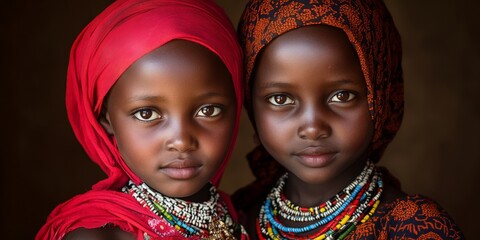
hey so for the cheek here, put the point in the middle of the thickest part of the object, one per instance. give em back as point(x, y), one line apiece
point(132, 151)
point(273, 132)
point(217, 140)
point(135, 145)
point(358, 135)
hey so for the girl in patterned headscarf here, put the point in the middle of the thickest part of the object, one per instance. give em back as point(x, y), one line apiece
point(154, 96)
point(325, 96)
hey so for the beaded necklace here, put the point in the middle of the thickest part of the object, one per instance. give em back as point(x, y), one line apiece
point(208, 219)
point(333, 219)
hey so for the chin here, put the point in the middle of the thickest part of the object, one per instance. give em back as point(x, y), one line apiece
point(177, 191)
point(176, 194)
point(313, 177)
point(314, 180)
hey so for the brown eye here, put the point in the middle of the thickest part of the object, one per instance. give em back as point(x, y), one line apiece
point(343, 96)
point(280, 100)
point(146, 115)
point(209, 111)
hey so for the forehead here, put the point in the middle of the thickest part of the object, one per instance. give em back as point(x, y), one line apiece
point(311, 41)
point(179, 56)
point(310, 53)
point(176, 67)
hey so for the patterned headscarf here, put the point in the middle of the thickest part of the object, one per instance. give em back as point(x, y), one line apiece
point(369, 28)
point(371, 31)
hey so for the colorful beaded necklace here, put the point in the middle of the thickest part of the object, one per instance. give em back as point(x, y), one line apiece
point(208, 219)
point(334, 219)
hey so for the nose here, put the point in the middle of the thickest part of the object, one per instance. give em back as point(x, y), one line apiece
point(314, 125)
point(182, 138)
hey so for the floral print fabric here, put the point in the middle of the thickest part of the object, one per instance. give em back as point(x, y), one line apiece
point(409, 217)
point(370, 29)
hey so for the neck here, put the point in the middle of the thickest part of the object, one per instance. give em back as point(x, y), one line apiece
point(202, 195)
point(313, 194)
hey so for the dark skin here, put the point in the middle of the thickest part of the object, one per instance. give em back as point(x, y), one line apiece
point(311, 114)
point(172, 113)
point(99, 234)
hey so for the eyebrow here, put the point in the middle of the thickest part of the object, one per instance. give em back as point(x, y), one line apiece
point(345, 81)
point(149, 98)
point(275, 85)
point(212, 94)
point(152, 98)
point(333, 83)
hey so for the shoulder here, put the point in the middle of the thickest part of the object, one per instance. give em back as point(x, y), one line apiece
point(414, 208)
point(111, 233)
point(416, 216)
point(86, 216)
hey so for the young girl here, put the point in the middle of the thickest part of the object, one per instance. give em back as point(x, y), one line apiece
point(154, 97)
point(325, 95)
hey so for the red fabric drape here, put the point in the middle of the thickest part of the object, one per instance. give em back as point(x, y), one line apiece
point(107, 46)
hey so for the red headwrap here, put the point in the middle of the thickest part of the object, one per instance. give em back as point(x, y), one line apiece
point(116, 38)
point(371, 31)
point(121, 34)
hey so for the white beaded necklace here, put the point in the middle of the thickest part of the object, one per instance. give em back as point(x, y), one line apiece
point(192, 217)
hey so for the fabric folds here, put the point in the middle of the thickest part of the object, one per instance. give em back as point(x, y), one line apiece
point(372, 33)
point(121, 34)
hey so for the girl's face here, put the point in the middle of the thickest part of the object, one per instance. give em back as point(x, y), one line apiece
point(310, 105)
point(172, 114)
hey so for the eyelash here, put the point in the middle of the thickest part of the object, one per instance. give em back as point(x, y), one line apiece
point(272, 99)
point(138, 115)
point(154, 115)
point(217, 110)
point(335, 98)
point(351, 96)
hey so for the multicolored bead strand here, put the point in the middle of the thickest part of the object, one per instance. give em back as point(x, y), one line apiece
point(333, 219)
point(189, 218)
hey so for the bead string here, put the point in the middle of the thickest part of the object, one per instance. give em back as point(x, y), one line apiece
point(189, 218)
point(295, 213)
point(333, 219)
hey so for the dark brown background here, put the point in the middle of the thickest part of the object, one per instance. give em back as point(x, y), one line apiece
point(436, 153)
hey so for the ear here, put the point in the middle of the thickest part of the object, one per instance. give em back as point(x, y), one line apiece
point(105, 122)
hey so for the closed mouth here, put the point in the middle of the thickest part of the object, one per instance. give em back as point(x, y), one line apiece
point(181, 163)
point(314, 150)
point(315, 157)
point(181, 169)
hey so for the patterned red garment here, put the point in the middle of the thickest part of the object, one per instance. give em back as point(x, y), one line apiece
point(122, 33)
point(369, 28)
point(372, 32)
point(409, 217)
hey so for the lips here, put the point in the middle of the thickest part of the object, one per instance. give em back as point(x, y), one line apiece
point(181, 169)
point(315, 157)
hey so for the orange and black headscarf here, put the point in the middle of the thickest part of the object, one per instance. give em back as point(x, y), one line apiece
point(371, 31)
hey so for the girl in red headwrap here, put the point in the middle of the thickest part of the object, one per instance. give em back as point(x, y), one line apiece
point(154, 96)
point(325, 96)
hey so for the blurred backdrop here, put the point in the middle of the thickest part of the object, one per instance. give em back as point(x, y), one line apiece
point(436, 153)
